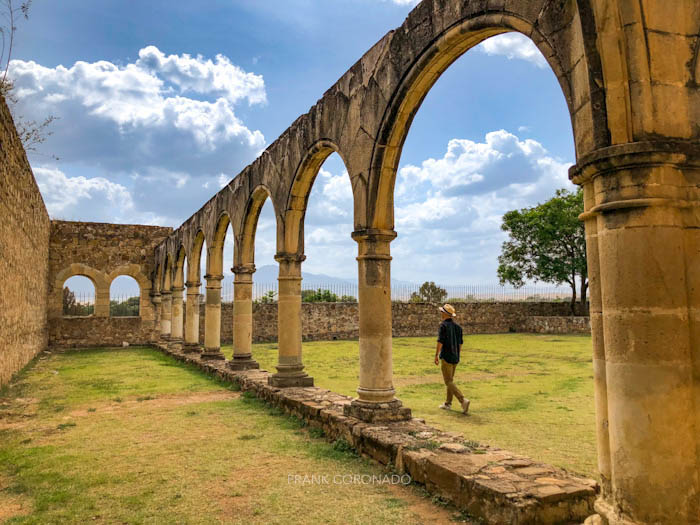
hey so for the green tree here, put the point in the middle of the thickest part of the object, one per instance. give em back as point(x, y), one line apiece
point(318, 296)
point(267, 298)
point(546, 243)
point(429, 292)
point(69, 302)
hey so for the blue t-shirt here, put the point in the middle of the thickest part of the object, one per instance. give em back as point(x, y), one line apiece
point(450, 335)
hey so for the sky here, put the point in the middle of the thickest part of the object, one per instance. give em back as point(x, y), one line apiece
point(160, 104)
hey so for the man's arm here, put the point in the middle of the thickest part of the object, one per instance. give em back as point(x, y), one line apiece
point(437, 352)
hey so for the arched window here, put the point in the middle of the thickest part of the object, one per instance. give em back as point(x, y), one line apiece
point(78, 297)
point(124, 297)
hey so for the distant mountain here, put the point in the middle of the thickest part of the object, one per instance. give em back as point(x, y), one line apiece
point(269, 272)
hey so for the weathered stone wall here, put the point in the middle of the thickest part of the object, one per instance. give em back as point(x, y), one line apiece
point(540, 324)
point(102, 252)
point(329, 321)
point(24, 255)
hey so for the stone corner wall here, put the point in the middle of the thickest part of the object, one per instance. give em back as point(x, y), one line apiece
point(102, 252)
point(24, 255)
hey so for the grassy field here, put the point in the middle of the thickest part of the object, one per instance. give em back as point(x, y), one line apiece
point(132, 436)
point(531, 394)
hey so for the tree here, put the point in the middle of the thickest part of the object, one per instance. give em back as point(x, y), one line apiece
point(429, 292)
point(267, 298)
point(318, 296)
point(547, 243)
point(69, 302)
point(31, 132)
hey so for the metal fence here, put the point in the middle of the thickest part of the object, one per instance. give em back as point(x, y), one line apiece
point(348, 292)
point(125, 305)
point(80, 304)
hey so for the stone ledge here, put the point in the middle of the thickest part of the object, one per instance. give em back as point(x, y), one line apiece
point(490, 483)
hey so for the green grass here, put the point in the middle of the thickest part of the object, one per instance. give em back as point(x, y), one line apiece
point(131, 436)
point(531, 394)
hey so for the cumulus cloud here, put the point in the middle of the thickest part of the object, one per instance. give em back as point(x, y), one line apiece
point(514, 46)
point(121, 117)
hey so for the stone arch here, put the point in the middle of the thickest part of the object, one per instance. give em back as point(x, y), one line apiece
point(194, 257)
point(100, 280)
point(179, 268)
point(136, 272)
point(215, 249)
point(300, 190)
point(436, 57)
point(245, 254)
point(167, 276)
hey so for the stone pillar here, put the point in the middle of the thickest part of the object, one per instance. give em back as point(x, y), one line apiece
point(644, 198)
point(192, 345)
point(290, 369)
point(156, 300)
point(243, 318)
point(212, 319)
point(376, 399)
point(102, 301)
point(166, 303)
point(177, 318)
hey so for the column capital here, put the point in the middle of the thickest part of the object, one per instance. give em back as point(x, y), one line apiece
point(374, 235)
point(165, 294)
point(243, 269)
point(286, 257)
point(608, 160)
point(177, 289)
point(193, 284)
point(210, 277)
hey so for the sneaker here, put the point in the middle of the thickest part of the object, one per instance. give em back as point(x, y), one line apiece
point(445, 406)
point(465, 405)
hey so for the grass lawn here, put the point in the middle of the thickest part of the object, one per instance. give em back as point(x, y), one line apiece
point(531, 394)
point(132, 436)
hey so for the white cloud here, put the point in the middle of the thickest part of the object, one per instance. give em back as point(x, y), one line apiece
point(514, 46)
point(68, 197)
point(137, 115)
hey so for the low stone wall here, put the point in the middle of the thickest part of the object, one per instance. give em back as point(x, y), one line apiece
point(489, 483)
point(83, 332)
point(557, 325)
point(330, 321)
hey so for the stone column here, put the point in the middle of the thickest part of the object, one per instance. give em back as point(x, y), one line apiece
point(376, 399)
point(192, 345)
point(177, 318)
point(156, 300)
point(290, 369)
point(102, 301)
point(243, 318)
point(212, 319)
point(598, 339)
point(645, 203)
point(166, 303)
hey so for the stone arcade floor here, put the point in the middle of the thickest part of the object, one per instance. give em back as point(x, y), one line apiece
point(490, 483)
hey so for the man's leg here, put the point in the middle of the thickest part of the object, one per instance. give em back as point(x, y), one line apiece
point(447, 373)
point(453, 387)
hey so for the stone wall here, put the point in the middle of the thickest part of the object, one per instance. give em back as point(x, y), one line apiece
point(557, 325)
point(24, 255)
point(102, 252)
point(329, 321)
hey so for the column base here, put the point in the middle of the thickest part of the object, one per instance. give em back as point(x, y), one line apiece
point(175, 345)
point(192, 348)
point(164, 338)
point(212, 354)
point(283, 381)
point(375, 412)
point(244, 362)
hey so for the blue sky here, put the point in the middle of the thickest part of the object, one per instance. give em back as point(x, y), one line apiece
point(154, 95)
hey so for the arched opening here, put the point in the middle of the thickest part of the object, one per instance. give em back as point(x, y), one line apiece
point(124, 297)
point(447, 175)
point(78, 297)
point(259, 246)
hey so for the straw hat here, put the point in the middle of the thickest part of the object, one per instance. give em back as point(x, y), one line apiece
point(449, 310)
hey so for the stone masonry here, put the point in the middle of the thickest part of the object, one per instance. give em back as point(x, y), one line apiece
point(24, 256)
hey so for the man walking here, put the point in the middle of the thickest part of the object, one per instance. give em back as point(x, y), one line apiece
point(449, 344)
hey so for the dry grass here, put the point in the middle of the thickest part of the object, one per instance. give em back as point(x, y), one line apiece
point(531, 394)
point(131, 436)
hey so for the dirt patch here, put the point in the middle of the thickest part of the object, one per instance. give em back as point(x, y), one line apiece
point(12, 505)
point(427, 512)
